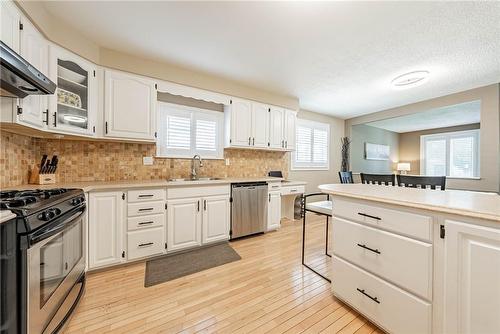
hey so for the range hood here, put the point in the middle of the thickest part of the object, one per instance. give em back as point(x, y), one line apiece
point(19, 78)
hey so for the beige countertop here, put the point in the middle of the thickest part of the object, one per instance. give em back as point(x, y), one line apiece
point(6, 215)
point(100, 185)
point(459, 202)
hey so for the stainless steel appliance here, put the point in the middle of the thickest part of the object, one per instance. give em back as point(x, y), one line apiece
point(50, 257)
point(248, 209)
point(18, 78)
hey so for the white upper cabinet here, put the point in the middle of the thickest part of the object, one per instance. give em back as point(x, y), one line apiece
point(10, 24)
point(260, 128)
point(35, 50)
point(238, 118)
point(472, 276)
point(276, 127)
point(129, 106)
point(73, 108)
point(290, 124)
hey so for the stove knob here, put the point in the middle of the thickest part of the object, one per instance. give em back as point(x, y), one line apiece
point(75, 201)
point(46, 215)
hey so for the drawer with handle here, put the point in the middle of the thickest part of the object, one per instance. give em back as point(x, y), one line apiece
point(145, 243)
point(401, 260)
point(139, 209)
point(274, 185)
point(407, 223)
point(394, 309)
point(292, 190)
point(144, 195)
point(149, 221)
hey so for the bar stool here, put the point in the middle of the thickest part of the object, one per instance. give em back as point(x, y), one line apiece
point(323, 208)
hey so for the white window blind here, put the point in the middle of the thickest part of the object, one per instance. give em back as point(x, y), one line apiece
point(454, 154)
point(186, 131)
point(312, 146)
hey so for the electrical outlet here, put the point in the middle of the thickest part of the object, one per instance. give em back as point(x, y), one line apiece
point(147, 161)
point(227, 162)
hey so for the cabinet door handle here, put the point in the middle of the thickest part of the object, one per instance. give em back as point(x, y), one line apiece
point(198, 206)
point(145, 209)
point(362, 291)
point(55, 119)
point(293, 190)
point(369, 216)
point(282, 144)
point(370, 249)
point(146, 244)
point(146, 223)
point(269, 197)
point(46, 112)
point(205, 205)
point(253, 141)
point(249, 140)
point(147, 195)
point(286, 143)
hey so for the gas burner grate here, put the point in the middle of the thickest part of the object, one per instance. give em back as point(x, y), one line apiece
point(17, 202)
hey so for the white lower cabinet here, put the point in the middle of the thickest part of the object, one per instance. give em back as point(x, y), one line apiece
point(183, 223)
point(143, 243)
point(472, 278)
point(106, 221)
point(274, 210)
point(193, 220)
point(215, 219)
point(390, 307)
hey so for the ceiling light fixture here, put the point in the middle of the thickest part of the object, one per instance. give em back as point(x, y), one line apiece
point(411, 79)
point(74, 118)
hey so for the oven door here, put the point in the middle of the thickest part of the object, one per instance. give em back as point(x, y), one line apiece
point(54, 264)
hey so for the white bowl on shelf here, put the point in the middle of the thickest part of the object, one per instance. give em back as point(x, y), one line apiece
point(70, 75)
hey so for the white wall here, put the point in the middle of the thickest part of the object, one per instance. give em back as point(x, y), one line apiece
point(361, 134)
point(316, 177)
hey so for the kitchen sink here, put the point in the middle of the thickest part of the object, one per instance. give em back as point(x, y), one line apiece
point(197, 179)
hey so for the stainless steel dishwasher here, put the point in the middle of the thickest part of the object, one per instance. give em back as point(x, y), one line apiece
point(248, 208)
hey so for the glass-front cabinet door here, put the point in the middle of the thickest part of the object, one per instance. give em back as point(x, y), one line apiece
point(73, 107)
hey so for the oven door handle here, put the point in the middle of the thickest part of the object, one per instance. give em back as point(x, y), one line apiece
point(56, 229)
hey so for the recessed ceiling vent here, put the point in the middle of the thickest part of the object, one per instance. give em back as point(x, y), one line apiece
point(411, 79)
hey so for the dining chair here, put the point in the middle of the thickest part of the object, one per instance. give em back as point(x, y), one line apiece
point(424, 182)
point(346, 177)
point(387, 179)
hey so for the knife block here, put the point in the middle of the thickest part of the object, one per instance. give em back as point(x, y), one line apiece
point(37, 178)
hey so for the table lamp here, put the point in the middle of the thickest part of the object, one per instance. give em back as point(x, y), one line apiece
point(403, 167)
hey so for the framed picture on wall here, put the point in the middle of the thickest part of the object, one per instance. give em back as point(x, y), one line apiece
point(377, 151)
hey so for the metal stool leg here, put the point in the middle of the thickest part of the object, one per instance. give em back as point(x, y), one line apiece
point(304, 245)
point(326, 241)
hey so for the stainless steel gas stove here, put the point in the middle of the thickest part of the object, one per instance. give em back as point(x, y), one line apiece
point(47, 235)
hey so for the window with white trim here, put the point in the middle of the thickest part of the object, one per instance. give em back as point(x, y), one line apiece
point(185, 131)
point(453, 154)
point(312, 146)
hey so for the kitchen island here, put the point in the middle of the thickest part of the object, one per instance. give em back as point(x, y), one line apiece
point(417, 260)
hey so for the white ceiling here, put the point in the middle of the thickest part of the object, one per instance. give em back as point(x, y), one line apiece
point(459, 114)
point(338, 58)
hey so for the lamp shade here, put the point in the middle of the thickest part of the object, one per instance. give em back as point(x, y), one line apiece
point(403, 166)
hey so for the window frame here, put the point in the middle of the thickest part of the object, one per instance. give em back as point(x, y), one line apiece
point(194, 114)
point(311, 166)
point(447, 136)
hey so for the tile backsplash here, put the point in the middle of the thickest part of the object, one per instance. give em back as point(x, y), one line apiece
point(85, 160)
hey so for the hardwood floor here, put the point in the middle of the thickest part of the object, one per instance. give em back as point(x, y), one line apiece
point(267, 291)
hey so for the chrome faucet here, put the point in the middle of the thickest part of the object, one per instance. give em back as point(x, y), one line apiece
point(194, 174)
